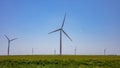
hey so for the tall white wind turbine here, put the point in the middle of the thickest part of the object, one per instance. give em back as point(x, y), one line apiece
point(61, 31)
point(9, 41)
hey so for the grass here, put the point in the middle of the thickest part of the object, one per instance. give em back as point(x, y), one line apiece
point(55, 61)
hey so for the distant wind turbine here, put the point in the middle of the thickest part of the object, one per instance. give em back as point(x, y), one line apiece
point(61, 31)
point(54, 51)
point(105, 51)
point(75, 50)
point(9, 41)
point(32, 51)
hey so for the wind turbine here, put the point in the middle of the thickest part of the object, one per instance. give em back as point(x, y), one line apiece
point(9, 41)
point(54, 51)
point(104, 51)
point(75, 50)
point(61, 31)
point(32, 51)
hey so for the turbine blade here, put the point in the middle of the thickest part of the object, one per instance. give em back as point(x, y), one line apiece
point(63, 21)
point(6, 37)
point(13, 39)
point(66, 35)
point(54, 31)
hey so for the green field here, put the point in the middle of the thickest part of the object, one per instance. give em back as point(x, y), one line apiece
point(54, 61)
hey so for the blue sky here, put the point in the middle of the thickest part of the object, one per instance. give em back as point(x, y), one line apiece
point(93, 25)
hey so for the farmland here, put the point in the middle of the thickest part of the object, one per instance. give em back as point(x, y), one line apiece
point(55, 61)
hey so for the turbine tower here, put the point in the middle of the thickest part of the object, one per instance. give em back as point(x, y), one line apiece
point(9, 41)
point(61, 31)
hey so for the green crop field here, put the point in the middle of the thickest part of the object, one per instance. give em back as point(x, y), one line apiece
point(54, 61)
